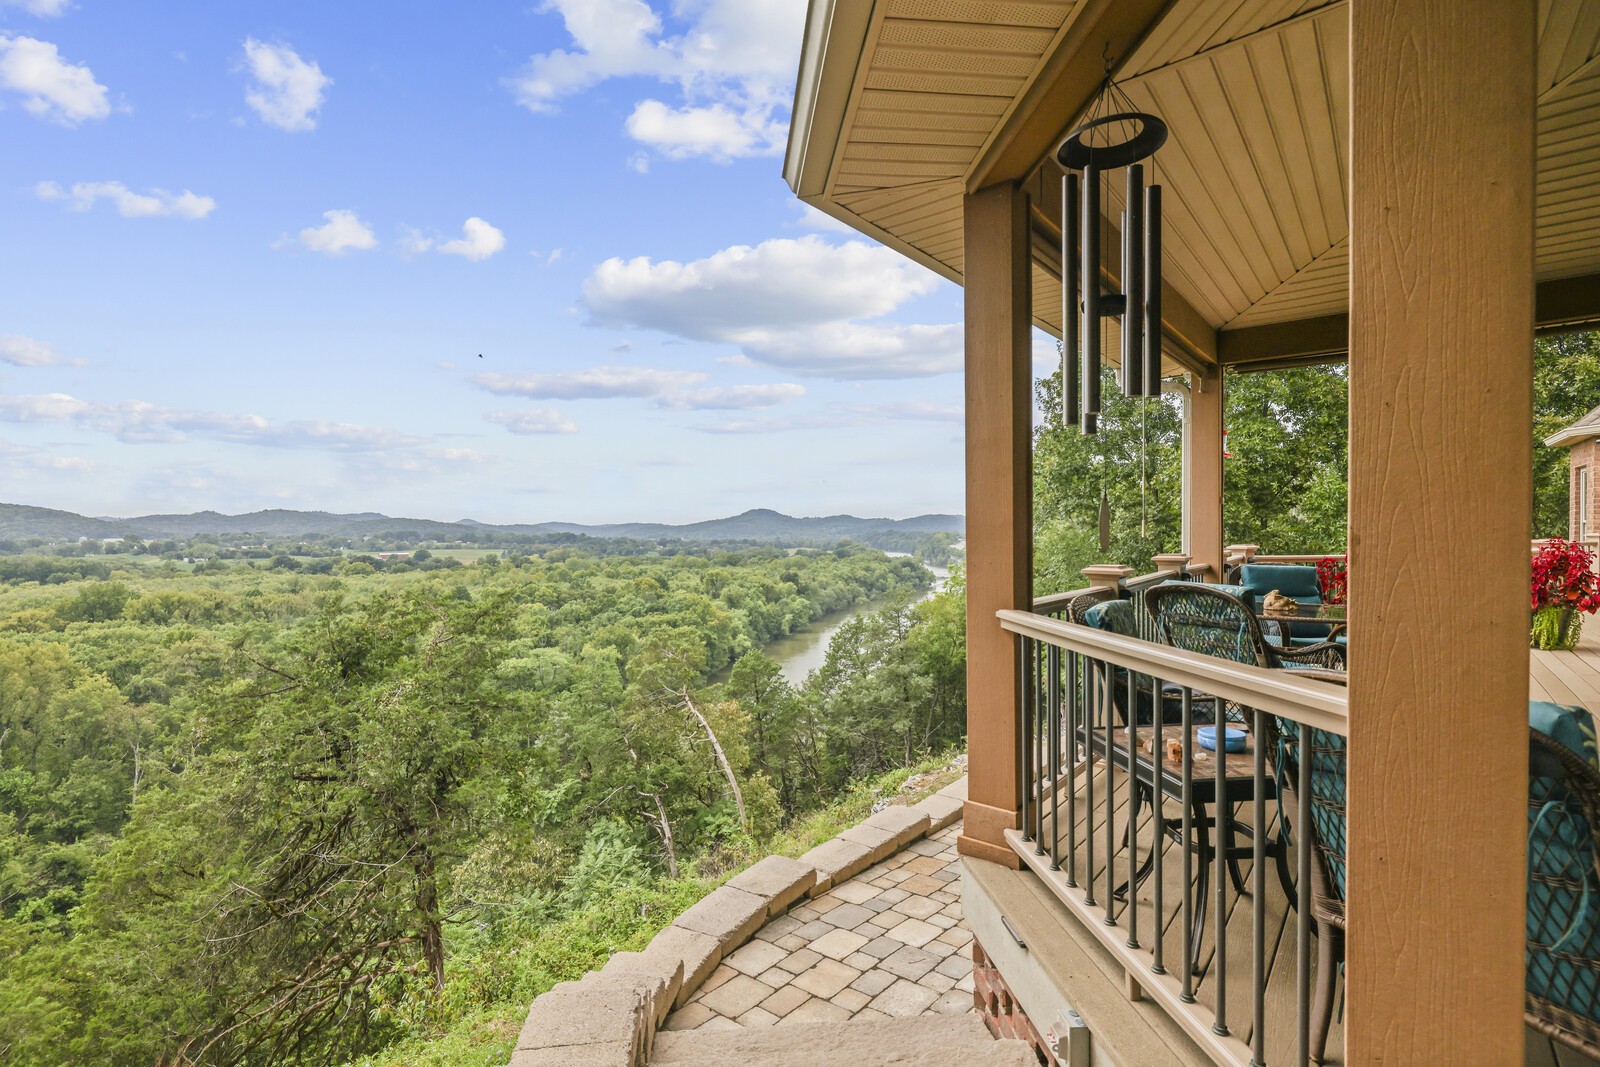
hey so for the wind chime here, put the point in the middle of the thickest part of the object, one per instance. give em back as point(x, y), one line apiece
point(1118, 139)
point(1116, 136)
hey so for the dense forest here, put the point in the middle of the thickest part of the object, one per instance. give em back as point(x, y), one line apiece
point(254, 815)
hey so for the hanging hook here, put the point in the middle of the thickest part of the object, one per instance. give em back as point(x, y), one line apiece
point(1105, 56)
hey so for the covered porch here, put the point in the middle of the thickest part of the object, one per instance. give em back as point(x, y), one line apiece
point(1408, 186)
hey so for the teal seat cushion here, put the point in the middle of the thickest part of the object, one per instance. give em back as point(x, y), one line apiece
point(1292, 580)
point(1113, 616)
point(1563, 923)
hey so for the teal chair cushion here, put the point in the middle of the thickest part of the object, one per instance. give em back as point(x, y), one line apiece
point(1292, 580)
point(1113, 616)
point(1563, 923)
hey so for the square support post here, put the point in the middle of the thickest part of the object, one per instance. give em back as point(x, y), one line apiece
point(1441, 340)
point(999, 417)
point(1202, 471)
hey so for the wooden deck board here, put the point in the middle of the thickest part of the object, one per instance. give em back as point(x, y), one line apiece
point(1568, 677)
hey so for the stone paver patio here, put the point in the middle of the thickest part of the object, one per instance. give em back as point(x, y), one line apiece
point(887, 943)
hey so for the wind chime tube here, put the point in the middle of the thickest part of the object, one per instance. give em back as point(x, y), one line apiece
point(1133, 249)
point(1071, 402)
point(1089, 283)
point(1152, 290)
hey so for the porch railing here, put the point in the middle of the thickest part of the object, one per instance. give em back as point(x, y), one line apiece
point(1098, 825)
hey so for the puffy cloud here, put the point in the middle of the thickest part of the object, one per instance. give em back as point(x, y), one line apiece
point(286, 91)
point(51, 87)
point(478, 242)
point(533, 421)
point(342, 232)
point(130, 205)
point(140, 422)
point(598, 383)
point(732, 398)
point(789, 303)
point(20, 351)
point(42, 8)
point(718, 132)
point(733, 66)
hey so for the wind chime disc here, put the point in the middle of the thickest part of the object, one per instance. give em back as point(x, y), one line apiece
point(1077, 153)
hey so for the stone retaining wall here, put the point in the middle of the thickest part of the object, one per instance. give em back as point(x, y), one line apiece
point(609, 1017)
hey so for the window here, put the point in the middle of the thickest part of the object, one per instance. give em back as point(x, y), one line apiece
point(1585, 505)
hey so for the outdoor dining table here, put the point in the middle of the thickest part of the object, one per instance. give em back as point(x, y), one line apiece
point(1238, 785)
point(1330, 615)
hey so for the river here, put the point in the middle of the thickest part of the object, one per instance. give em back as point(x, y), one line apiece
point(805, 650)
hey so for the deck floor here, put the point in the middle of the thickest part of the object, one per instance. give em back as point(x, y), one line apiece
point(1568, 677)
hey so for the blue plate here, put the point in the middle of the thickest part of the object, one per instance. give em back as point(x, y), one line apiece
point(1232, 740)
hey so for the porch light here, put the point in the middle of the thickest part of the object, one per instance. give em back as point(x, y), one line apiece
point(1088, 159)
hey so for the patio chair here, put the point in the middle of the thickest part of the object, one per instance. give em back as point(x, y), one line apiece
point(1563, 932)
point(1209, 620)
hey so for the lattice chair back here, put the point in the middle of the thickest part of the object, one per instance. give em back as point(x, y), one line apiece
point(1563, 924)
point(1201, 619)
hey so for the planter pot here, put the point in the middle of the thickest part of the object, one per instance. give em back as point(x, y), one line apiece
point(1556, 628)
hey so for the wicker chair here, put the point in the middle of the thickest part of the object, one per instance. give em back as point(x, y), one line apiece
point(1563, 932)
point(1327, 838)
point(1205, 619)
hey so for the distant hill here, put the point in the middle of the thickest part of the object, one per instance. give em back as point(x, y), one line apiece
point(19, 521)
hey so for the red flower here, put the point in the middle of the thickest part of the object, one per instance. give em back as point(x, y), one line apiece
point(1563, 576)
point(1333, 579)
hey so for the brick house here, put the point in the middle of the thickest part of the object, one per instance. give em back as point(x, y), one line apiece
point(1582, 439)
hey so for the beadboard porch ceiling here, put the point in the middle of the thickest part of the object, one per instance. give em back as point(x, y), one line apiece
point(904, 106)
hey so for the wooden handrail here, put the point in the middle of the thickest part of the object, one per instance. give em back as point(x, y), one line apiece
point(1276, 692)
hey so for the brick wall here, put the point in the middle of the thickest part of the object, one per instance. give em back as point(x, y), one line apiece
point(1004, 1016)
point(1580, 458)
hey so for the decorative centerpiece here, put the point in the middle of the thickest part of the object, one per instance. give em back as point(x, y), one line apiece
point(1276, 604)
point(1564, 584)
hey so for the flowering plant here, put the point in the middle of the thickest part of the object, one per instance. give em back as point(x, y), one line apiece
point(1333, 578)
point(1564, 577)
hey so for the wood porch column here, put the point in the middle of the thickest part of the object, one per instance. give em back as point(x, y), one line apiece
point(1441, 339)
point(1202, 471)
point(999, 403)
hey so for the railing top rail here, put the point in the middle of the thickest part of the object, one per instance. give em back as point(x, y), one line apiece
point(1057, 601)
point(1296, 559)
point(1144, 580)
point(1278, 692)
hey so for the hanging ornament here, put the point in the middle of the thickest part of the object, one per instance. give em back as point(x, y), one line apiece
point(1087, 162)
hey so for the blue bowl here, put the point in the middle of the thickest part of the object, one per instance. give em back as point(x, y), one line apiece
point(1232, 740)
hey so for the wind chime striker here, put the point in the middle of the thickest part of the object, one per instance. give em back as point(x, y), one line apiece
point(1087, 162)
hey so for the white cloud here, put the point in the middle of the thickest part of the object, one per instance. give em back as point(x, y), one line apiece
point(533, 421)
point(845, 416)
point(478, 242)
point(732, 398)
point(732, 63)
point(287, 91)
point(42, 8)
point(598, 383)
point(342, 232)
point(140, 422)
point(20, 351)
point(51, 87)
point(717, 132)
point(790, 303)
point(130, 205)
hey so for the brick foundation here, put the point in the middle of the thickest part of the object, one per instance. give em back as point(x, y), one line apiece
point(1004, 1016)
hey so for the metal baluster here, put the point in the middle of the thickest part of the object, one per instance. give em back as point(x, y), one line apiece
point(1091, 681)
point(1302, 815)
point(1159, 838)
point(1074, 692)
point(1108, 707)
point(1053, 677)
point(1024, 727)
point(1258, 905)
point(1220, 849)
point(1133, 809)
point(1186, 729)
point(1041, 713)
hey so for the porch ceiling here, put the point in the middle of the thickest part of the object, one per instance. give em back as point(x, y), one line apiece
point(902, 111)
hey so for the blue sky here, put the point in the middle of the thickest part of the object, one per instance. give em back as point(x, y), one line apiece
point(250, 253)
